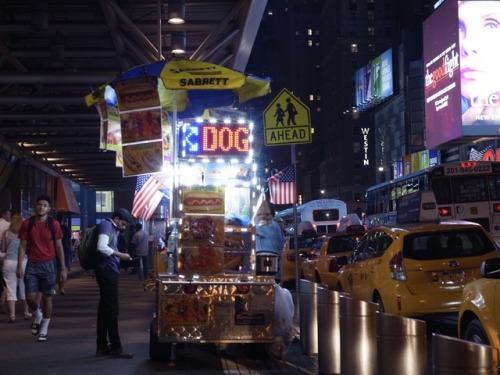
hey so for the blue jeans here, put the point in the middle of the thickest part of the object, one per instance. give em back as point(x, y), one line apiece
point(107, 310)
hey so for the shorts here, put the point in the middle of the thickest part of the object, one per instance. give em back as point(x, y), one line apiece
point(40, 277)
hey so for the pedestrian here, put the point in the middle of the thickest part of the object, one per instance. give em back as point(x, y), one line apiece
point(5, 215)
point(291, 111)
point(140, 242)
point(107, 275)
point(68, 256)
point(44, 237)
point(10, 242)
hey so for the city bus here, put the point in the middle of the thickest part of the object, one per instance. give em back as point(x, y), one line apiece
point(323, 214)
point(464, 190)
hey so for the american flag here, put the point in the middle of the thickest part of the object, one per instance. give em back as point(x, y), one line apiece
point(147, 197)
point(282, 186)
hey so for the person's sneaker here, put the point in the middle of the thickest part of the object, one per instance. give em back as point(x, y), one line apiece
point(35, 328)
point(42, 337)
point(119, 353)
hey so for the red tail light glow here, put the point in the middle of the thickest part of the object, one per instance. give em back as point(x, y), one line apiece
point(468, 164)
point(444, 211)
point(496, 207)
point(397, 268)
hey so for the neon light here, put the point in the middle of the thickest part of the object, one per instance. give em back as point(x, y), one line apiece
point(216, 140)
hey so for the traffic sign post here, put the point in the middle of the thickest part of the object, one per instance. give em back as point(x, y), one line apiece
point(287, 121)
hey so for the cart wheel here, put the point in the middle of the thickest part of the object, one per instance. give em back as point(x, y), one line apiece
point(158, 351)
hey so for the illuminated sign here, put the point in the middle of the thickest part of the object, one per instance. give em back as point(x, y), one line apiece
point(374, 81)
point(287, 109)
point(206, 139)
point(462, 78)
point(365, 132)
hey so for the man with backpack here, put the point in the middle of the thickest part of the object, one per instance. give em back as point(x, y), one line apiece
point(107, 274)
point(41, 240)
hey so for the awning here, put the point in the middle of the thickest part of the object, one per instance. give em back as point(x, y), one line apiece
point(65, 197)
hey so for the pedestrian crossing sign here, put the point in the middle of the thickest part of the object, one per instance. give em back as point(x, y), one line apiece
point(287, 121)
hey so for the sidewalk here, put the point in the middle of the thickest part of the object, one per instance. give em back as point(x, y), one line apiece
point(71, 344)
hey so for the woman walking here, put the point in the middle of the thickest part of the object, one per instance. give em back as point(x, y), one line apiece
point(10, 242)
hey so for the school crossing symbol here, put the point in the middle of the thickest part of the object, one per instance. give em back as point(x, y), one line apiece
point(287, 121)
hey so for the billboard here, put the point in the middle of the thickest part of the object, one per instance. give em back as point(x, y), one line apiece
point(374, 81)
point(462, 74)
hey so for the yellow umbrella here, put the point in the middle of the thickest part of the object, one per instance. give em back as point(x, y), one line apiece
point(195, 84)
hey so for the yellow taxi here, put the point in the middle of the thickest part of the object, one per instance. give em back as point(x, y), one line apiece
point(479, 315)
point(416, 269)
point(323, 267)
point(288, 259)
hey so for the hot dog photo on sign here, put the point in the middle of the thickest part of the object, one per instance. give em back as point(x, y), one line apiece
point(203, 200)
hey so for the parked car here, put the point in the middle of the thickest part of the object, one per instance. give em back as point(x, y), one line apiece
point(416, 269)
point(322, 266)
point(479, 316)
point(288, 259)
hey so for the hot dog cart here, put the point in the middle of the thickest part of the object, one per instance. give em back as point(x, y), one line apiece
point(214, 291)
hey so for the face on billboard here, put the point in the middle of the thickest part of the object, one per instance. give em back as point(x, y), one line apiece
point(442, 76)
point(479, 39)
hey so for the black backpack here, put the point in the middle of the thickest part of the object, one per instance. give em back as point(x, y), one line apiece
point(88, 255)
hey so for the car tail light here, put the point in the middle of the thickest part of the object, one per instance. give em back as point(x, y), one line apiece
point(444, 211)
point(496, 207)
point(397, 268)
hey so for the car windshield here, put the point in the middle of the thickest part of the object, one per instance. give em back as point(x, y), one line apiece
point(450, 244)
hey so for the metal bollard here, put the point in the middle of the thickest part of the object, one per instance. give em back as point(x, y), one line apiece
point(308, 317)
point(452, 356)
point(358, 341)
point(401, 345)
point(328, 332)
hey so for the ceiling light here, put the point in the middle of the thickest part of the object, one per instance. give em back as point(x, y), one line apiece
point(178, 42)
point(176, 12)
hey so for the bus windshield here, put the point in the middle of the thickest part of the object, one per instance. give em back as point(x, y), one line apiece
point(323, 215)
